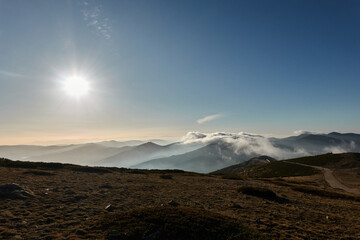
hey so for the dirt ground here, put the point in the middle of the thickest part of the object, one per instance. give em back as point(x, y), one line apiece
point(70, 204)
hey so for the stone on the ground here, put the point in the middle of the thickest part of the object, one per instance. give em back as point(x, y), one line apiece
point(109, 208)
point(173, 203)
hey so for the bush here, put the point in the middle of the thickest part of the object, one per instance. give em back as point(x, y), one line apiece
point(137, 171)
point(232, 177)
point(39, 173)
point(175, 223)
point(91, 170)
point(166, 176)
point(262, 193)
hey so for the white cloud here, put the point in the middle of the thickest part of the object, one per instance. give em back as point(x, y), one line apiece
point(10, 74)
point(209, 118)
point(244, 143)
point(299, 132)
point(93, 15)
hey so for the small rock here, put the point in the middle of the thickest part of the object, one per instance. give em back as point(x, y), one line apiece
point(173, 203)
point(115, 235)
point(109, 208)
point(108, 186)
point(80, 232)
point(154, 235)
point(49, 220)
point(235, 205)
point(69, 192)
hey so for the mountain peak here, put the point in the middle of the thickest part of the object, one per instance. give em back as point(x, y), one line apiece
point(149, 145)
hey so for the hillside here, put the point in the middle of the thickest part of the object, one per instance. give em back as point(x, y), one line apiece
point(203, 160)
point(345, 167)
point(237, 168)
point(279, 169)
point(144, 152)
point(333, 161)
point(88, 154)
point(72, 202)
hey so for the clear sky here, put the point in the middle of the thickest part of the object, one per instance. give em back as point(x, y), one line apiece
point(162, 68)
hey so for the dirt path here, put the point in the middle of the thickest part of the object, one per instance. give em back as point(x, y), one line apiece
point(331, 179)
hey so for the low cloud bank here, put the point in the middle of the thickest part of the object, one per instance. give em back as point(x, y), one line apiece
point(252, 144)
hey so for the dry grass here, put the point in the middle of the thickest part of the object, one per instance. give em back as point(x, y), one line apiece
point(324, 193)
point(279, 169)
point(70, 204)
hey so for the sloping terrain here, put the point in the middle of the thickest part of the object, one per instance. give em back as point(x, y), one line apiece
point(279, 169)
point(286, 168)
point(237, 168)
point(340, 170)
point(332, 161)
point(69, 202)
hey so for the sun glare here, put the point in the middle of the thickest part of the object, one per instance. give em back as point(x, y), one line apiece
point(76, 86)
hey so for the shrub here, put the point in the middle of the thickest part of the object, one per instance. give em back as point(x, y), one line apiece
point(166, 176)
point(39, 173)
point(175, 223)
point(262, 193)
point(232, 176)
point(137, 171)
point(91, 170)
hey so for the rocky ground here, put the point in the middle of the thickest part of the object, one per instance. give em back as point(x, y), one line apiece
point(71, 204)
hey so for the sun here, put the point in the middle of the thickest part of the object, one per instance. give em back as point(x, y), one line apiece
point(76, 86)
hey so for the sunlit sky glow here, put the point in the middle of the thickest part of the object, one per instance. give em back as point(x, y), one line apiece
point(73, 71)
point(76, 86)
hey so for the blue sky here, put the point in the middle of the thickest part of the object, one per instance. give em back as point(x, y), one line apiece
point(157, 67)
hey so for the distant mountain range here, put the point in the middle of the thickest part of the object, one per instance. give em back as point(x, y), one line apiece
point(204, 159)
point(316, 143)
point(200, 153)
point(144, 152)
